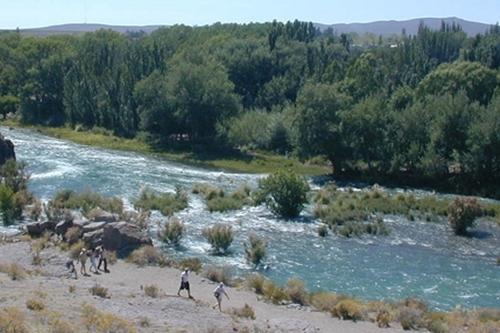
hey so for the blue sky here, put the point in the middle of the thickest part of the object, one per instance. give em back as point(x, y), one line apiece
point(36, 13)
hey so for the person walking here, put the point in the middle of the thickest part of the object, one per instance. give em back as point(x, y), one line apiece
point(93, 261)
point(82, 258)
point(218, 292)
point(102, 259)
point(185, 283)
point(70, 266)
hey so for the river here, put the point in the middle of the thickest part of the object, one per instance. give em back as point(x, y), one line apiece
point(418, 259)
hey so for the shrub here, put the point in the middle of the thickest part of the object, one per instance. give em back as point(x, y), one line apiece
point(172, 232)
point(383, 319)
point(255, 249)
point(15, 271)
point(348, 309)
point(461, 214)
point(59, 325)
point(7, 204)
point(72, 288)
point(410, 318)
point(147, 255)
point(35, 304)
point(209, 192)
point(245, 312)
point(98, 290)
point(12, 321)
point(219, 274)
point(256, 283)
point(296, 291)
point(151, 291)
point(144, 322)
point(324, 301)
point(85, 201)
point(193, 264)
point(220, 237)
point(284, 192)
point(72, 235)
point(273, 292)
point(166, 203)
point(224, 204)
point(35, 210)
point(76, 248)
point(103, 322)
point(140, 219)
point(323, 230)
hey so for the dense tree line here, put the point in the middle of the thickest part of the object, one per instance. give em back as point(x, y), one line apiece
point(423, 107)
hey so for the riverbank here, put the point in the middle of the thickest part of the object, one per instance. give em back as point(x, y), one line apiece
point(251, 162)
point(66, 302)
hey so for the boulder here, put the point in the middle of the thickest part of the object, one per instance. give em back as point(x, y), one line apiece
point(99, 215)
point(36, 229)
point(63, 226)
point(93, 238)
point(124, 237)
point(6, 150)
point(80, 222)
point(93, 226)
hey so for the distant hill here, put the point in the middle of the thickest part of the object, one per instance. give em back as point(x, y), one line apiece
point(387, 28)
point(384, 28)
point(81, 28)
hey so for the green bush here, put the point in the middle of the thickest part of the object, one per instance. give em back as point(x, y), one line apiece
point(284, 192)
point(224, 204)
point(85, 201)
point(462, 213)
point(218, 201)
point(172, 232)
point(255, 249)
point(166, 203)
point(7, 204)
point(220, 236)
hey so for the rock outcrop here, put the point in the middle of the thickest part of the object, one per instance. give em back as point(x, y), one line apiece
point(6, 150)
point(36, 229)
point(124, 237)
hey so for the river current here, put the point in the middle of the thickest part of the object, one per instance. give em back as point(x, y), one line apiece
point(418, 258)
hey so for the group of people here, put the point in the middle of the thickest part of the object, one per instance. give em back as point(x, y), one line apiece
point(218, 291)
point(98, 258)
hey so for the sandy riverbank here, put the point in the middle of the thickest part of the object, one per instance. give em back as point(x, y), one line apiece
point(168, 312)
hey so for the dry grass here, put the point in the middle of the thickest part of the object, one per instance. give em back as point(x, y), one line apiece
point(104, 322)
point(35, 304)
point(15, 271)
point(75, 249)
point(71, 288)
point(193, 264)
point(219, 274)
point(72, 235)
point(12, 320)
point(98, 290)
point(245, 312)
point(324, 301)
point(296, 292)
point(144, 322)
point(348, 309)
point(57, 324)
point(256, 283)
point(273, 292)
point(151, 291)
point(147, 256)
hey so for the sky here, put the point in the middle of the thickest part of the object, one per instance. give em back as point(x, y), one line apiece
point(39, 13)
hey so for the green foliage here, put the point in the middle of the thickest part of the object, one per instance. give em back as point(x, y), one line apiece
point(462, 213)
point(255, 249)
point(172, 232)
point(218, 201)
point(85, 201)
point(284, 192)
point(220, 237)
point(8, 104)
point(14, 195)
point(166, 203)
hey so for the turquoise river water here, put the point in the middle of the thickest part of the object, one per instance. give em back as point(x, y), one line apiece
point(418, 259)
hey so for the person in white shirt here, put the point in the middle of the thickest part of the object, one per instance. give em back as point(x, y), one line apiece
point(185, 283)
point(218, 295)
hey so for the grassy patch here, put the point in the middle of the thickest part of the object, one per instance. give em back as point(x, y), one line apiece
point(98, 290)
point(166, 203)
point(251, 162)
point(12, 320)
point(147, 255)
point(15, 271)
point(246, 312)
point(35, 304)
point(172, 231)
point(104, 322)
point(193, 264)
point(151, 291)
point(217, 200)
point(219, 274)
point(85, 201)
point(220, 237)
